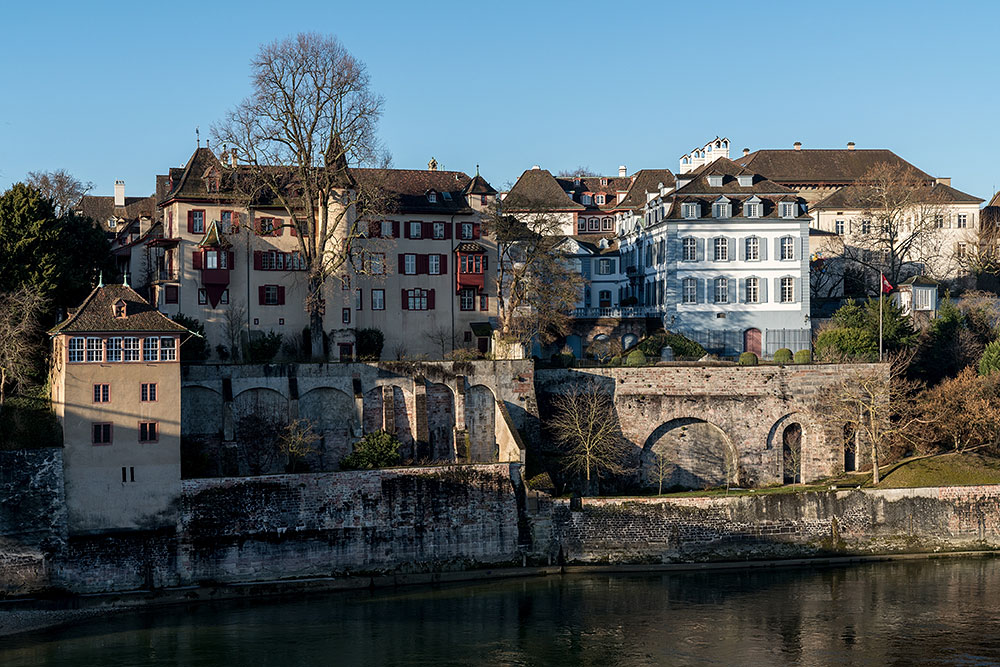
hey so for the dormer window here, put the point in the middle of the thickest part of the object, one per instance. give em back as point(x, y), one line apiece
point(446, 196)
point(788, 209)
point(585, 200)
point(722, 208)
point(745, 180)
point(432, 196)
point(576, 182)
point(715, 180)
point(752, 208)
point(599, 199)
point(690, 211)
point(604, 181)
point(120, 311)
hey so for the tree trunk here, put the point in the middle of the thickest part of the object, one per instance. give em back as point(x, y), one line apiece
point(875, 476)
point(316, 319)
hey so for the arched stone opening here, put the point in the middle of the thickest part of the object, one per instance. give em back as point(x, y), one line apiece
point(791, 453)
point(850, 449)
point(480, 425)
point(259, 415)
point(201, 411)
point(628, 340)
point(689, 453)
point(330, 413)
point(441, 422)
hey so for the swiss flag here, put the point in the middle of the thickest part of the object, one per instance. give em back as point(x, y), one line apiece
point(886, 287)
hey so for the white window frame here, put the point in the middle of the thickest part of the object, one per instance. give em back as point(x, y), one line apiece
point(689, 291)
point(150, 349)
point(438, 232)
point(168, 348)
point(415, 230)
point(378, 299)
point(416, 299)
point(787, 290)
point(131, 349)
point(720, 251)
point(839, 227)
point(95, 350)
point(721, 287)
point(751, 210)
point(410, 264)
point(113, 353)
point(690, 211)
point(689, 243)
point(962, 221)
point(75, 349)
point(787, 248)
point(752, 243)
point(467, 231)
point(434, 264)
point(751, 287)
point(788, 209)
point(604, 267)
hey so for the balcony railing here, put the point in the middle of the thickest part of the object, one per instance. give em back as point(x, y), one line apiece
point(628, 312)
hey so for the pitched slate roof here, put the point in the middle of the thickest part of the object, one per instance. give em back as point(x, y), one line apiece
point(479, 186)
point(643, 181)
point(538, 190)
point(729, 171)
point(836, 165)
point(95, 314)
point(996, 199)
point(190, 182)
point(409, 187)
point(854, 197)
point(102, 208)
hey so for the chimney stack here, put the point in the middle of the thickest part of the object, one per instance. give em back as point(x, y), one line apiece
point(622, 171)
point(232, 158)
point(746, 151)
point(797, 145)
point(119, 193)
point(535, 166)
point(850, 145)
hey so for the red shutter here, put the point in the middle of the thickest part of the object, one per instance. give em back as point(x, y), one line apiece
point(281, 295)
point(292, 229)
point(458, 230)
point(190, 222)
point(199, 259)
point(447, 231)
point(444, 263)
point(475, 231)
point(430, 299)
point(402, 266)
point(258, 226)
point(427, 230)
point(231, 258)
point(406, 230)
point(402, 299)
point(423, 264)
point(484, 303)
point(258, 263)
point(260, 295)
point(276, 224)
point(395, 229)
point(235, 225)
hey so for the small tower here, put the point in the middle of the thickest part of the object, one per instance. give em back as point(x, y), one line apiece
point(116, 390)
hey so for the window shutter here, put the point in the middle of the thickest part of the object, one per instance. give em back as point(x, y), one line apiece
point(484, 303)
point(447, 231)
point(281, 295)
point(430, 299)
point(762, 290)
point(199, 259)
point(486, 263)
point(733, 296)
point(231, 257)
point(402, 300)
point(423, 264)
point(374, 227)
point(395, 229)
point(475, 230)
point(292, 230)
point(402, 265)
point(741, 291)
point(444, 263)
point(427, 230)
point(732, 249)
point(776, 282)
point(260, 295)
point(743, 249)
point(762, 249)
point(257, 261)
point(406, 230)
point(276, 224)
point(699, 289)
point(777, 248)
point(190, 222)
point(699, 250)
point(235, 224)
point(796, 292)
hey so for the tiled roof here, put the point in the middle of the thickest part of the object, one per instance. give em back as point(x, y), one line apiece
point(538, 190)
point(821, 165)
point(468, 246)
point(409, 188)
point(592, 184)
point(479, 186)
point(646, 180)
point(95, 314)
point(594, 247)
point(853, 197)
point(102, 208)
point(730, 183)
point(996, 200)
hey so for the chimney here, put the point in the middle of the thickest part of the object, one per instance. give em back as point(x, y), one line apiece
point(622, 171)
point(535, 166)
point(850, 145)
point(797, 145)
point(119, 193)
point(232, 158)
point(746, 151)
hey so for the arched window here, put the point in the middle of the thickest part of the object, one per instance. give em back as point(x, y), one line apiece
point(787, 247)
point(752, 248)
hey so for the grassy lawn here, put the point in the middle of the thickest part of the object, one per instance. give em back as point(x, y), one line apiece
point(953, 469)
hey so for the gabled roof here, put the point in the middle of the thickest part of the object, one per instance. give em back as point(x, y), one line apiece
point(212, 236)
point(593, 184)
point(538, 190)
point(855, 196)
point(469, 246)
point(729, 171)
point(836, 166)
point(643, 181)
point(95, 314)
point(589, 245)
point(408, 188)
point(190, 182)
point(996, 199)
point(920, 280)
point(479, 186)
point(102, 208)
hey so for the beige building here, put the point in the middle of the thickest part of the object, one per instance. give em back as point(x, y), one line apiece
point(115, 384)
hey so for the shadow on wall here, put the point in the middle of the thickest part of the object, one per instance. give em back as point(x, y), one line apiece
point(689, 453)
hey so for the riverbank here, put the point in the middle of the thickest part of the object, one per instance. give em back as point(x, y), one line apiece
point(18, 616)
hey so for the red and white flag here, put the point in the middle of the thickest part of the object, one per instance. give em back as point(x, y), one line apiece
point(886, 287)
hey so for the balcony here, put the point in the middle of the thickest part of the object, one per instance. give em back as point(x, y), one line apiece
point(618, 312)
point(166, 275)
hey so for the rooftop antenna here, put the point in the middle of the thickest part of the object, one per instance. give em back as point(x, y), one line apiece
point(197, 136)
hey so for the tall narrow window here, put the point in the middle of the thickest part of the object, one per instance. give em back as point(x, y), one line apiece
point(690, 291)
point(467, 299)
point(101, 433)
point(114, 352)
point(378, 299)
point(147, 392)
point(148, 432)
point(76, 349)
point(95, 349)
point(722, 290)
point(962, 220)
point(787, 290)
point(838, 227)
point(787, 247)
point(752, 248)
point(409, 264)
point(102, 393)
point(168, 350)
point(721, 245)
point(131, 348)
point(150, 349)
point(752, 293)
point(434, 264)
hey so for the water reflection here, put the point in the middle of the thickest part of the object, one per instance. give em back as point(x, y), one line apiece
point(921, 612)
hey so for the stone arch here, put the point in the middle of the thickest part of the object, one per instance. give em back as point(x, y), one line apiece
point(791, 453)
point(849, 442)
point(575, 343)
point(790, 458)
point(331, 413)
point(480, 424)
point(691, 453)
point(441, 422)
point(201, 411)
point(628, 340)
point(752, 340)
point(262, 402)
point(397, 421)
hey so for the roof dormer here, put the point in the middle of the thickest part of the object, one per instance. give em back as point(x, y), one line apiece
point(715, 180)
point(432, 196)
point(119, 309)
point(745, 180)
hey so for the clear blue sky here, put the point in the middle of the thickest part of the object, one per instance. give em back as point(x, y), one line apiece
point(113, 90)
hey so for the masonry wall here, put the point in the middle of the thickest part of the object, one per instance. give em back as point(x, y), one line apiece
point(664, 530)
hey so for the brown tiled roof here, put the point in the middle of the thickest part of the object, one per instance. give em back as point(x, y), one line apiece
point(190, 181)
point(469, 246)
point(645, 180)
point(95, 314)
point(102, 208)
point(769, 202)
point(538, 190)
point(821, 165)
point(409, 188)
point(996, 199)
point(479, 186)
point(853, 197)
point(592, 184)
point(730, 184)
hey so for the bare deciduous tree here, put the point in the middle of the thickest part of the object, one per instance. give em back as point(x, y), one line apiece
point(60, 186)
point(20, 336)
point(661, 469)
point(580, 172)
point(442, 337)
point(297, 441)
point(963, 411)
point(584, 423)
point(310, 114)
point(234, 324)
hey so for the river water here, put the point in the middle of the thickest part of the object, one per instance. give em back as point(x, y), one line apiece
point(899, 613)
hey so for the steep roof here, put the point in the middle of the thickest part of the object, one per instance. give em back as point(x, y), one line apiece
point(479, 186)
point(589, 244)
point(190, 181)
point(607, 185)
point(837, 165)
point(408, 188)
point(102, 208)
point(538, 189)
point(95, 314)
point(729, 171)
point(854, 197)
point(643, 181)
point(996, 199)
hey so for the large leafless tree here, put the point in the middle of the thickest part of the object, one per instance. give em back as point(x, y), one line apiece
point(60, 186)
point(20, 336)
point(585, 424)
point(311, 114)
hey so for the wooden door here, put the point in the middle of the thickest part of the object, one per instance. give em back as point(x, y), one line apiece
point(752, 341)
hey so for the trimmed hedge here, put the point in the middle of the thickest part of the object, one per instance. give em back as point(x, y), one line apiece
point(748, 359)
point(803, 357)
point(636, 358)
point(683, 347)
point(783, 356)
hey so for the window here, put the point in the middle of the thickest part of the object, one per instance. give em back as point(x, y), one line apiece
point(722, 290)
point(76, 349)
point(585, 200)
point(466, 230)
point(202, 296)
point(690, 291)
point(378, 299)
point(484, 302)
point(170, 294)
point(788, 209)
point(922, 299)
point(415, 228)
point(752, 248)
point(345, 315)
point(114, 352)
point(787, 290)
point(721, 247)
point(147, 393)
point(962, 249)
point(599, 199)
point(197, 222)
point(690, 211)
point(211, 259)
point(838, 227)
point(467, 299)
point(270, 295)
point(359, 299)
point(168, 349)
point(268, 227)
point(416, 299)
point(715, 181)
point(131, 349)
point(962, 221)
point(227, 222)
point(745, 180)
point(224, 297)
point(128, 474)
point(751, 210)
point(434, 264)
point(752, 292)
point(150, 349)
point(147, 432)
point(95, 350)
point(690, 249)
point(432, 197)
point(787, 247)
point(939, 221)
point(101, 433)
point(607, 224)
point(471, 263)
point(866, 226)
point(605, 266)
point(376, 263)
point(581, 225)
point(439, 230)
point(102, 393)
point(721, 210)
point(409, 264)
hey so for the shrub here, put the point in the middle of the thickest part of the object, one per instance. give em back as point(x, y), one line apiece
point(222, 352)
point(838, 344)
point(263, 347)
point(195, 348)
point(370, 343)
point(615, 361)
point(803, 357)
point(636, 358)
point(683, 347)
point(990, 361)
point(748, 359)
point(783, 356)
point(375, 450)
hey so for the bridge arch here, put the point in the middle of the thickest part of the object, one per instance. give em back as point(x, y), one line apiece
point(691, 453)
